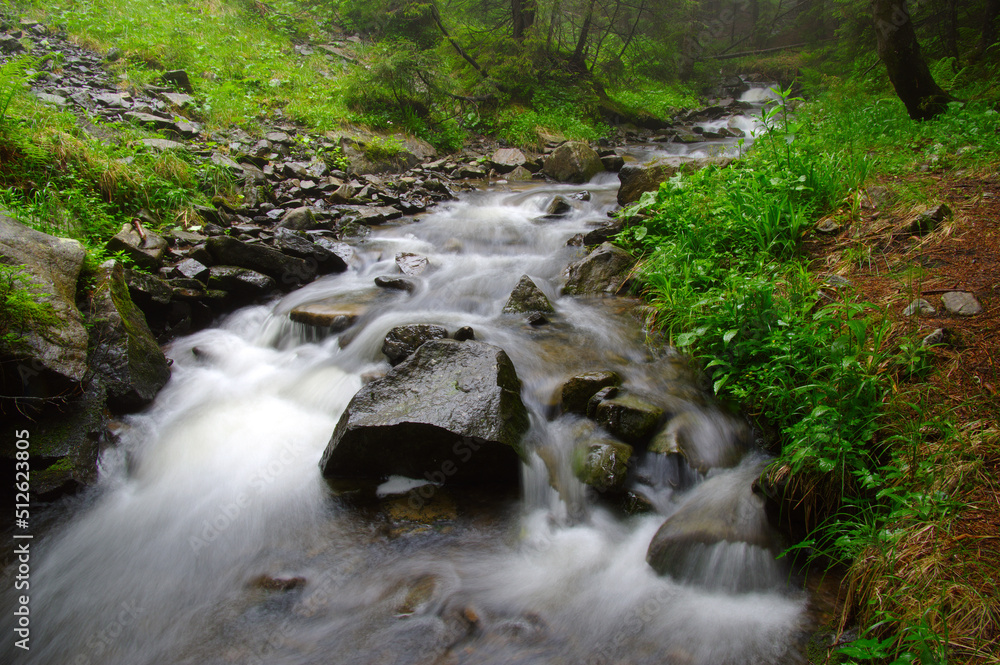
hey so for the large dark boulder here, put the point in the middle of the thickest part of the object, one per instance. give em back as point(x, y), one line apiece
point(50, 357)
point(451, 412)
point(125, 353)
point(602, 272)
point(573, 161)
point(285, 270)
point(578, 390)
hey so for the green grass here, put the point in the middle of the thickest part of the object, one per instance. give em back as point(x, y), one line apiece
point(821, 372)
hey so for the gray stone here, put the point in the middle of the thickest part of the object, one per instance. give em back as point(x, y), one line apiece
point(51, 100)
point(639, 178)
point(603, 272)
point(411, 264)
point(192, 269)
point(527, 297)
point(333, 315)
point(395, 283)
point(287, 270)
point(372, 215)
point(178, 100)
point(604, 232)
point(402, 341)
point(299, 219)
point(919, 306)
point(558, 206)
point(961, 303)
point(628, 417)
point(146, 250)
point(241, 282)
point(578, 390)
point(162, 144)
point(506, 160)
point(224, 161)
point(602, 464)
point(928, 220)
point(451, 412)
point(56, 350)
point(573, 161)
point(936, 336)
point(299, 245)
point(828, 226)
point(125, 354)
point(180, 79)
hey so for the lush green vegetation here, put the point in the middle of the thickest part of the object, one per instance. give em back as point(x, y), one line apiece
point(826, 376)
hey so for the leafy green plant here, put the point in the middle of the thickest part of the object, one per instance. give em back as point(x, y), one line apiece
point(22, 306)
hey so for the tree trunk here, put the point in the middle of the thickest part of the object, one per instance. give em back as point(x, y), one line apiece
point(523, 13)
point(581, 44)
point(989, 33)
point(897, 46)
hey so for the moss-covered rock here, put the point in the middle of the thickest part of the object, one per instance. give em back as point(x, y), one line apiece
point(628, 417)
point(124, 352)
point(578, 390)
point(527, 297)
point(602, 463)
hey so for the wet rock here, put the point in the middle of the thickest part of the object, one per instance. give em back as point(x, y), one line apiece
point(604, 232)
point(506, 160)
point(192, 269)
point(65, 440)
point(146, 250)
point(639, 178)
point(628, 417)
point(125, 354)
point(333, 315)
point(402, 341)
point(527, 297)
point(603, 271)
point(464, 333)
point(299, 219)
point(10, 44)
point(55, 351)
point(613, 163)
point(573, 161)
point(707, 440)
point(395, 283)
point(578, 390)
point(723, 511)
point(558, 207)
point(299, 245)
point(600, 396)
point(147, 291)
point(961, 303)
point(602, 464)
point(919, 306)
point(518, 174)
point(536, 319)
point(241, 282)
point(452, 412)
point(286, 270)
point(411, 264)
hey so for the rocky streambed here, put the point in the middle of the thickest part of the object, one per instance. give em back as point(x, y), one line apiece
point(429, 429)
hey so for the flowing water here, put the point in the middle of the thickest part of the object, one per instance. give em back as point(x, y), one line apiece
point(212, 538)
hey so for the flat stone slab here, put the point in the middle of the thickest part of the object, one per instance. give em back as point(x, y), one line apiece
point(335, 316)
point(961, 303)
